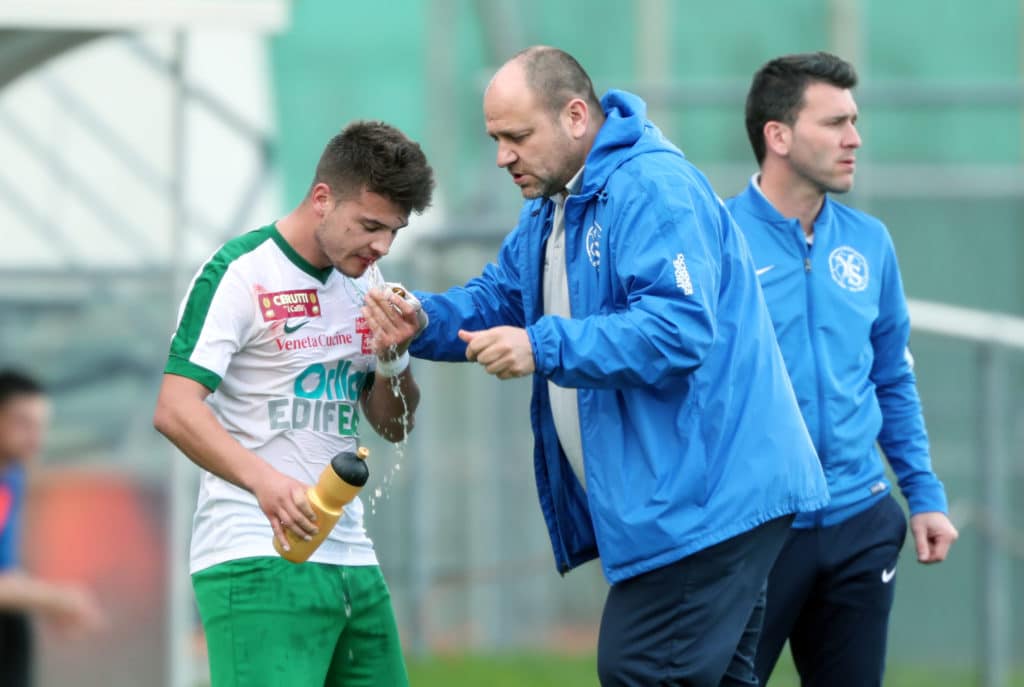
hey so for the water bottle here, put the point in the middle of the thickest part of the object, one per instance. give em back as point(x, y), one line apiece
point(339, 483)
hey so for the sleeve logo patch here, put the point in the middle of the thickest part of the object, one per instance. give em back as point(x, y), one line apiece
point(682, 275)
point(594, 244)
point(281, 305)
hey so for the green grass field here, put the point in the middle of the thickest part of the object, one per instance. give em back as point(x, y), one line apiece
point(539, 670)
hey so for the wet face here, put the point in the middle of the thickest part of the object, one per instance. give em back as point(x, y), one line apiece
point(823, 141)
point(23, 422)
point(355, 232)
point(542, 150)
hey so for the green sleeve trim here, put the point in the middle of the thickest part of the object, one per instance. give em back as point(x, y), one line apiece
point(197, 373)
point(197, 307)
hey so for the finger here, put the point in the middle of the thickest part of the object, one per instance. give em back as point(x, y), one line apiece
point(941, 547)
point(282, 539)
point(472, 350)
point(939, 552)
point(488, 355)
point(385, 332)
point(467, 336)
point(298, 523)
point(302, 501)
point(401, 305)
point(497, 366)
point(921, 544)
point(376, 301)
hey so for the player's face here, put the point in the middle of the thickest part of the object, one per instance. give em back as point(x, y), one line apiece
point(356, 232)
point(825, 139)
point(534, 144)
point(23, 421)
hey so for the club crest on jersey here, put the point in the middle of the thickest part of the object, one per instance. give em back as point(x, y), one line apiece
point(281, 305)
point(849, 268)
point(594, 244)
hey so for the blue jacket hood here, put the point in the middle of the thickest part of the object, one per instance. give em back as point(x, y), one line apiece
point(621, 139)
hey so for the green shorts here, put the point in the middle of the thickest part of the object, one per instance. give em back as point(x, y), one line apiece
point(270, 623)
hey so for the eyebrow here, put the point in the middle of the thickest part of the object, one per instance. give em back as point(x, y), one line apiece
point(841, 117)
point(372, 223)
point(509, 133)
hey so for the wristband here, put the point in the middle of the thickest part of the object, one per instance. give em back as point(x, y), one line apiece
point(392, 368)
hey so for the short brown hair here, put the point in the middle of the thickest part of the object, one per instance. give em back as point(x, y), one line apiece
point(380, 158)
point(777, 90)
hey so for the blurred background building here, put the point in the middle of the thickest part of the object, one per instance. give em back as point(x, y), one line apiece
point(137, 136)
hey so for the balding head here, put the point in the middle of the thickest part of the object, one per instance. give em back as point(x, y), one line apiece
point(554, 77)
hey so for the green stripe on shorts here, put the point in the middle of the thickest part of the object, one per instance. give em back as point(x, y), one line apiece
point(269, 623)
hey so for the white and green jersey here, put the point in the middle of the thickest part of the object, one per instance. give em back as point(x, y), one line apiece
point(284, 349)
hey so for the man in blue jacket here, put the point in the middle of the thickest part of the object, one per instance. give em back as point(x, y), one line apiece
point(668, 439)
point(833, 287)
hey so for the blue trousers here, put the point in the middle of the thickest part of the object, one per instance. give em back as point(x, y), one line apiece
point(829, 594)
point(15, 650)
point(692, 623)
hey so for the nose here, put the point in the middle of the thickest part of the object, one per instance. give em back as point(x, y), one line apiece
point(852, 138)
point(506, 156)
point(381, 244)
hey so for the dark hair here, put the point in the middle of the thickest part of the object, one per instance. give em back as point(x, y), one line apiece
point(777, 90)
point(380, 158)
point(556, 78)
point(14, 383)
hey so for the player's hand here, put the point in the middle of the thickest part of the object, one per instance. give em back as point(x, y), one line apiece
point(283, 500)
point(505, 352)
point(393, 322)
point(75, 612)
point(933, 535)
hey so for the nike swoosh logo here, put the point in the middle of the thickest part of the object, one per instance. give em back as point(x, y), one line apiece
point(887, 575)
point(300, 325)
point(764, 269)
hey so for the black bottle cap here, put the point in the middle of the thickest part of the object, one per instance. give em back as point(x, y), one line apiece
point(351, 468)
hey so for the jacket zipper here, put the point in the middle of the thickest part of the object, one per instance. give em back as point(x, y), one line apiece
point(815, 354)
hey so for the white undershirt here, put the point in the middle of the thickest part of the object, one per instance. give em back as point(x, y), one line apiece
point(756, 180)
point(564, 403)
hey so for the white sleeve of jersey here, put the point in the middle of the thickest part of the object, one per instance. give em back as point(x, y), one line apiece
point(215, 320)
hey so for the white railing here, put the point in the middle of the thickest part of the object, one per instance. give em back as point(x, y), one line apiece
point(993, 335)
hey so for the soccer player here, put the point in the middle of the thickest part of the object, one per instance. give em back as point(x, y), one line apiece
point(24, 412)
point(832, 283)
point(668, 438)
point(270, 371)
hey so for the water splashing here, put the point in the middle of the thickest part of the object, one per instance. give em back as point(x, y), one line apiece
point(375, 280)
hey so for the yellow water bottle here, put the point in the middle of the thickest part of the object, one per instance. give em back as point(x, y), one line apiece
point(339, 483)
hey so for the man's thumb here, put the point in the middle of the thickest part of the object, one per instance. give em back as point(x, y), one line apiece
point(466, 336)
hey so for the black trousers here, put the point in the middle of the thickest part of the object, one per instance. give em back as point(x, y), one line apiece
point(15, 650)
point(830, 594)
point(692, 623)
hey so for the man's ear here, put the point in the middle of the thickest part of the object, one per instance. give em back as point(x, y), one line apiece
point(320, 196)
point(576, 116)
point(778, 137)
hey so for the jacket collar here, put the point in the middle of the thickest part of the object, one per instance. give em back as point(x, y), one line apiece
point(759, 206)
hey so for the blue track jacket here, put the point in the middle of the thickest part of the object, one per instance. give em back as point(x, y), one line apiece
point(841, 319)
point(691, 431)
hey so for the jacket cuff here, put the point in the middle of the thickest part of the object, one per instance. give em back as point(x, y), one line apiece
point(928, 499)
point(544, 342)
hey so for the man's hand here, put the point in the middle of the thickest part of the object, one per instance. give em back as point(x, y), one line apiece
point(283, 500)
point(75, 612)
point(933, 535)
point(505, 352)
point(393, 322)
